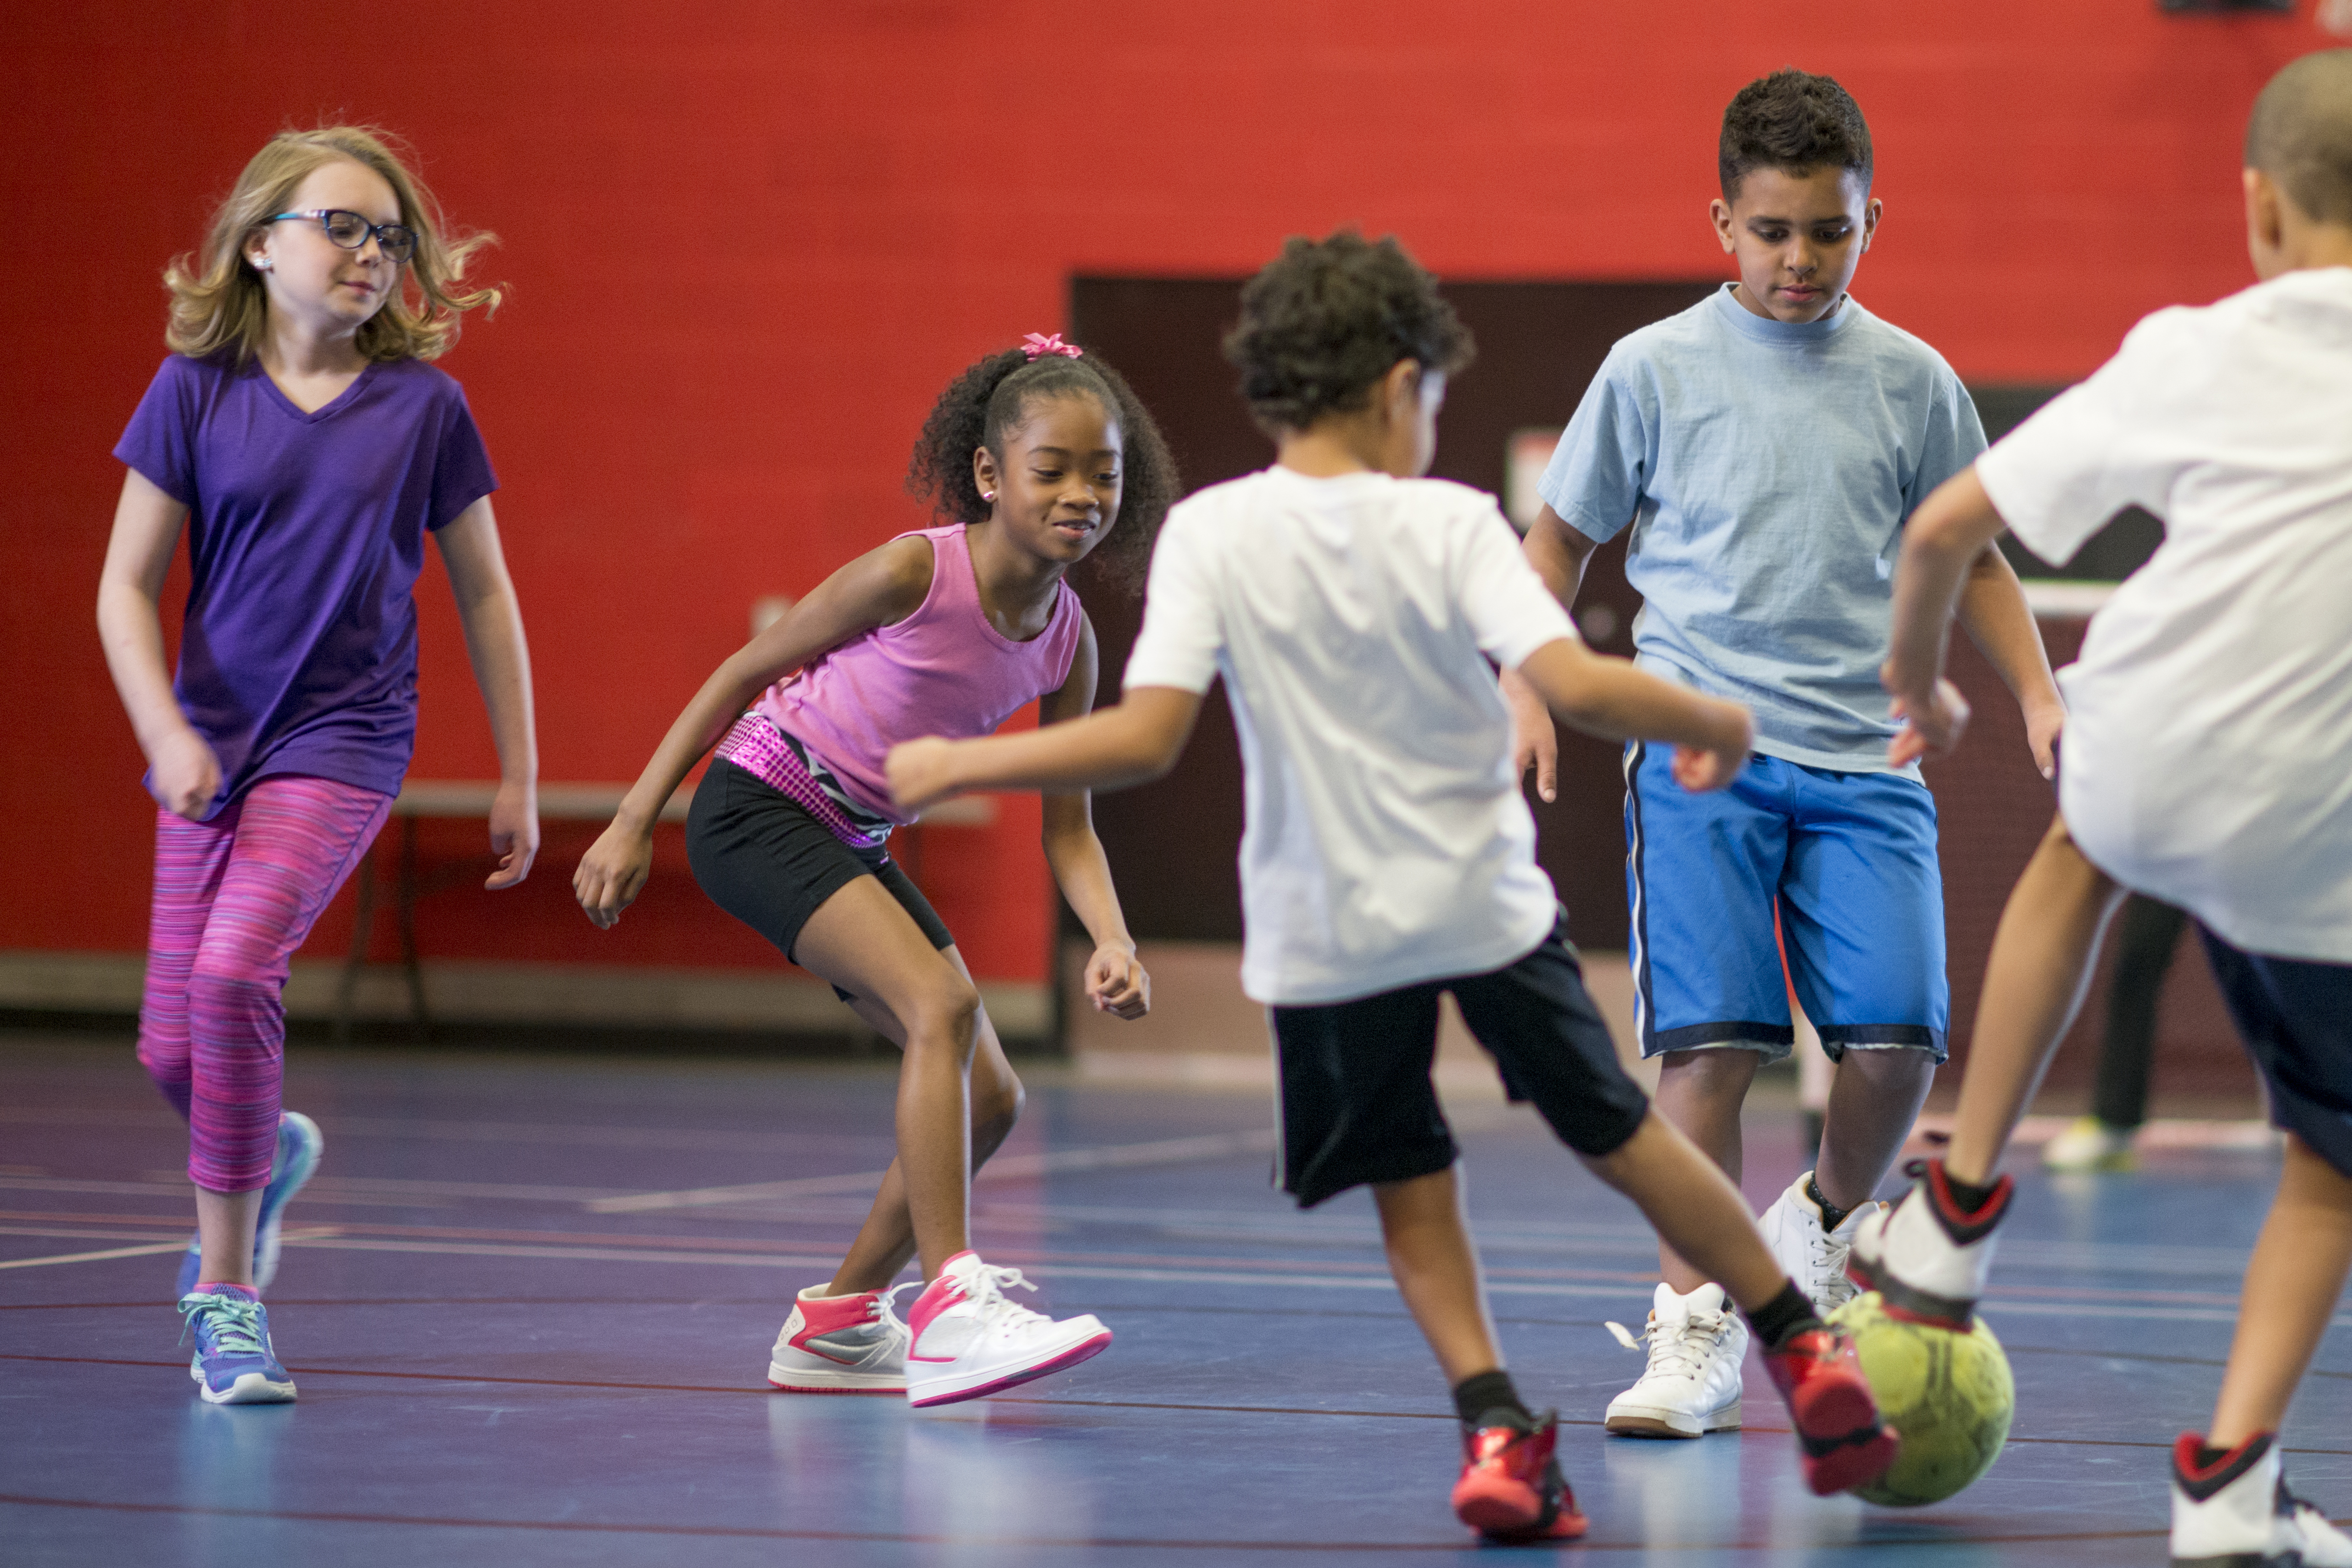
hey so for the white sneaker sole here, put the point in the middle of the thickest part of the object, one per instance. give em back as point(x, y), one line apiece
point(801, 1379)
point(1657, 1421)
point(252, 1388)
point(948, 1387)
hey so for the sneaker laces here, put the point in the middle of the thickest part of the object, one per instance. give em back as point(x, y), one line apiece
point(886, 1314)
point(1681, 1351)
point(1829, 1256)
point(985, 1290)
point(234, 1323)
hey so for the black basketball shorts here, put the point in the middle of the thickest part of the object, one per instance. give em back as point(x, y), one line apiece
point(1357, 1103)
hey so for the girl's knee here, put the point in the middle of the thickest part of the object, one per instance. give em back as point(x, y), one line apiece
point(945, 1009)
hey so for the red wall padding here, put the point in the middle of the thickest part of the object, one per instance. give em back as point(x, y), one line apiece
point(749, 243)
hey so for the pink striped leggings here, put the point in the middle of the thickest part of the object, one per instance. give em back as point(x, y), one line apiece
point(233, 898)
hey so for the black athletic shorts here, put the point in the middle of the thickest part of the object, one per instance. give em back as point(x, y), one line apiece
point(765, 861)
point(2295, 1016)
point(1357, 1103)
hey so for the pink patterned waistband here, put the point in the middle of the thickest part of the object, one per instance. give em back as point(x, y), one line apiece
point(757, 747)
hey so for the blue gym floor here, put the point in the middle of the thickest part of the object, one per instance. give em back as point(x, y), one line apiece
point(529, 1301)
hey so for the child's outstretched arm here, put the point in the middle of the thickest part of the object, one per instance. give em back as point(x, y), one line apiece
point(1607, 696)
point(1942, 545)
point(879, 588)
point(1134, 741)
point(2000, 623)
point(1115, 981)
point(1559, 552)
point(185, 774)
point(501, 660)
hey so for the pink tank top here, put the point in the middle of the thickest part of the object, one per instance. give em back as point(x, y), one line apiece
point(943, 670)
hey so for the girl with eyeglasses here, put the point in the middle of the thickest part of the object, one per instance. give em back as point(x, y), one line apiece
point(301, 438)
point(1036, 459)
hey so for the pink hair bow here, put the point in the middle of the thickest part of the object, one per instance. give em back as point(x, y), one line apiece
point(1037, 345)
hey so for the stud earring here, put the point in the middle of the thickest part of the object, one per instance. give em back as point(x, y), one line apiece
point(988, 494)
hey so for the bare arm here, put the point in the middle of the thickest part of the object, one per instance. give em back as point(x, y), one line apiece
point(147, 522)
point(2000, 623)
point(501, 660)
point(1132, 742)
point(1941, 545)
point(879, 588)
point(1115, 981)
point(1607, 696)
point(1559, 552)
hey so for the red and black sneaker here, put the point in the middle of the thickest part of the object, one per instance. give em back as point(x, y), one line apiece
point(1845, 1444)
point(1511, 1487)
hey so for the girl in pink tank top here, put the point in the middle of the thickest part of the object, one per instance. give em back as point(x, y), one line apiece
point(1041, 458)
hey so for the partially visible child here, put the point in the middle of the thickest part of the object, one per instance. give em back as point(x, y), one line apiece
point(1351, 608)
point(299, 435)
point(1766, 447)
point(2207, 763)
point(1041, 457)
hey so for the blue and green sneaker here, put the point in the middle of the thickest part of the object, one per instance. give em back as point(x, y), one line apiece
point(234, 1362)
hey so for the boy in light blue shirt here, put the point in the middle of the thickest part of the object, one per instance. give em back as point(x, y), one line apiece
point(1766, 447)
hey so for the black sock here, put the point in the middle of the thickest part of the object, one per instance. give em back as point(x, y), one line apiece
point(1968, 1195)
point(1474, 1397)
point(1785, 1314)
point(1831, 1215)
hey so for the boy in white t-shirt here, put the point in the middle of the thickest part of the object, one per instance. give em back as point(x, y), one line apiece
point(2207, 761)
point(1352, 609)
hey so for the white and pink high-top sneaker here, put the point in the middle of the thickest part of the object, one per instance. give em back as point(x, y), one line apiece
point(850, 1344)
point(970, 1341)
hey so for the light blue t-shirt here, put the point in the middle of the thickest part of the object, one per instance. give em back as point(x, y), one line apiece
point(1766, 469)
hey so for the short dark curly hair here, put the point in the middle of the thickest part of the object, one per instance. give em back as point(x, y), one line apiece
point(1795, 121)
point(1326, 319)
point(994, 396)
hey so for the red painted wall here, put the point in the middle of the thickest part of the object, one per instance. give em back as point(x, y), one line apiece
point(750, 242)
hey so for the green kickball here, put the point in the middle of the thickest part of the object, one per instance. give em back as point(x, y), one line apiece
point(1947, 1395)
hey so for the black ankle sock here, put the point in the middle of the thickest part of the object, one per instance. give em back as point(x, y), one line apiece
point(1785, 1314)
point(1474, 1397)
point(1831, 1215)
point(1968, 1195)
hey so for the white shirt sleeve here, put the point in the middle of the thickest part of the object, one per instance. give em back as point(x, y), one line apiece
point(2086, 454)
point(1183, 628)
point(1509, 610)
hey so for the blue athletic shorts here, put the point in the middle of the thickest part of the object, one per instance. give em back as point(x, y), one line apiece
point(2295, 1016)
point(1849, 861)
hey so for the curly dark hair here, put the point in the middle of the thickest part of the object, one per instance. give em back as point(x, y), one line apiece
point(1795, 121)
point(994, 396)
point(1326, 319)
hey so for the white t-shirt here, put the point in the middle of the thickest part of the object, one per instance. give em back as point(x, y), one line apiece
point(1353, 618)
point(2208, 756)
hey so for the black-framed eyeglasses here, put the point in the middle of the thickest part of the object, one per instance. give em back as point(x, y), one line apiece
point(350, 231)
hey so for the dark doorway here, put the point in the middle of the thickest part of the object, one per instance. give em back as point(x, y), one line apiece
point(1172, 843)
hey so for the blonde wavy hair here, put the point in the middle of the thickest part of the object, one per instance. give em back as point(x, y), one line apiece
point(218, 303)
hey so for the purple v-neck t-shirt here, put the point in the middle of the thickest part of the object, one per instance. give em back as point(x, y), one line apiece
point(305, 532)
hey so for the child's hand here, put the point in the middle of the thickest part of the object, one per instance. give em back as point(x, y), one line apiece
point(1701, 769)
point(919, 773)
point(2043, 725)
point(612, 873)
point(186, 774)
point(1534, 743)
point(1932, 724)
point(514, 832)
point(1117, 982)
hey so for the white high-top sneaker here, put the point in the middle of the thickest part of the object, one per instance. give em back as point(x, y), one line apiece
point(841, 1345)
point(1691, 1386)
point(969, 1340)
point(1807, 1250)
point(2236, 1512)
point(1926, 1255)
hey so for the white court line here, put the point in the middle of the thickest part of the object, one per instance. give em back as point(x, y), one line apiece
point(146, 1251)
point(1005, 1167)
